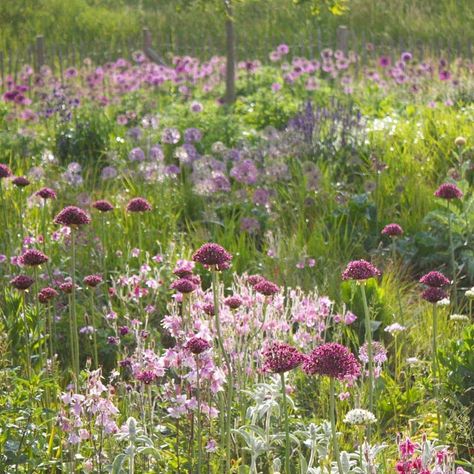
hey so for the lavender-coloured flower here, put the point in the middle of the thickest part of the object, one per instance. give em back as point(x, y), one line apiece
point(333, 360)
point(434, 279)
point(170, 136)
point(392, 230)
point(379, 353)
point(21, 182)
point(266, 288)
point(212, 254)
point(72, 216)
point(360, 270)
point(103, 205)
point(93, 280)
point(197, 345)
point(138, 205)
point(183, 285)
point(46, 193)
point(47, 294)
point(33, 258)
point(22, 282)
point(5, 171)
point(280, 357)
point(233, 302)
point(434, 294)
point(448, 191)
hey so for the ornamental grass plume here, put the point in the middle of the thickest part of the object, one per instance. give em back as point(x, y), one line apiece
point(46, 193)
point(33, 258)
point(360, 270)
point(72, 216)
point(138, 204)
point(103, 205)
point(22, 282)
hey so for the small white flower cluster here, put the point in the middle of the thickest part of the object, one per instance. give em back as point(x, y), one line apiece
point(459, 317)
point(470, 293)
point(358, 416)
point(394, 328)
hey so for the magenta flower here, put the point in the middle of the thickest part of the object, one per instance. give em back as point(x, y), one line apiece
point(211, 254)
point(66, 287)
point(5, 171)
point(102, 205)
point(47, 294)
point(233, 302)
point(266, 288)
point(208, 308)
point(254, 279)
point(280, 357)
point(360, 270)
point(22, 282)
point(197, 345)
point(146, 376)
point(448, 191)
point(434, 279)
point(46, 193)
point(33, 258)
point(72, 216)
point(392, 230)
point(93, 280)
point(183, 285)
point(138, 205)
point(333, 360)
point(183, 268)
point(433, 294)
point(21, 182)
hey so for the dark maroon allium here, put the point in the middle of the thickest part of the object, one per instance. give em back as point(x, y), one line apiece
point(113, 341)
point(448, 191)
point(103, 206)
point(146, 376)
point(21, 182)
point(196, 279)
point(22, 282)
point(46, 193)
point(47, 294)
point(434, 294)
point(125, 362)
point(5, 171)
point(66, 287)
point(72, 216)
point(183, 285)
point(33, 258)
point(334, 360)
point(92, 280)
point(123, 330)
point(208, 308)
point(233, 302)
point(360, 270)
point(197, 345)
point(392, 230)
point(138, 205)
point(183, 268)
point(280, 357)
point(254, 279)
point(266, 287)
point(211, 254)
point(434, 279)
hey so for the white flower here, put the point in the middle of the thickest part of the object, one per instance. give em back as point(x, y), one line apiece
point(470, 293)
point(413, 360)
point(358, 416)
point(394, 328)
point(459, 317)
point(443, 302)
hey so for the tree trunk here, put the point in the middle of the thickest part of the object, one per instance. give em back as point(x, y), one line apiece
point(230, 50)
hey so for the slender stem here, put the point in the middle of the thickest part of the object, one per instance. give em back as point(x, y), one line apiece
point(332, 414)
point(21, 220)
point(453, 261)
point(27, 336)
point(368, 338)
point(73, 309)
point(435, 367)
point(199, 420)
point(94, 333)
point(399, 298)
point(6, 240)
point(50, 336)
point(287, 431)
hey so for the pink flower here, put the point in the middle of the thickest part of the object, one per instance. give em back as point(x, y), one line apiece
point(211, 254)
point(280, 357)
point(448, 191)
point(360, 270)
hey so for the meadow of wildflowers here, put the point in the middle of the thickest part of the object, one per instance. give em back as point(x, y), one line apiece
point(284, 285)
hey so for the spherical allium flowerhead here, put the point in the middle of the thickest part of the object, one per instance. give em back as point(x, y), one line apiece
point(72, 216)
point(5, 171)
point(448, 191)
point(196, 279)
point(46, 193)
point(470, 293)
point(233, 302)
point(434, 294)
point(212, 255)
point(102, 205)
point(22, 282)
point(360, 270)
point(138, 205)
point(66, 287)
point(47, 294)
point(93, 280)
point(392, 230)
point(146, 376)
point(333, 360)
point(266, 288)
point(280, 357)
point(434, 279)
point(183, 268)
point(33, 258)
point(197, 345)
point(360, 417)
point(21, 182)
point(254, 279)
point(183, 285)
point(208, 308)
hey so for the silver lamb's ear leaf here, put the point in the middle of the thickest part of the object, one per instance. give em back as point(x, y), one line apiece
point(346, 466)
point(118, 463)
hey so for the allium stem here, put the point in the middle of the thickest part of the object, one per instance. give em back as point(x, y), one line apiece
point(230, 382)
point(287, 430)
point(332, 414)
point(368, 337)
point(75, 333)
point(94, 333)
point(400, 307)
point(435, 367)
point(50, 335)
point(6, 240)
point(453, 260)
point(199, 417)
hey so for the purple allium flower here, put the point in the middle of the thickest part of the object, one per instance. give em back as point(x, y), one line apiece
point(146, 376)
point(233, 302)
point(22, 282)
point(5, 171)
point(21, 182)
point(33, 258)
point(138, 205)
point(434, 279)
point(47, 294)
point(102, 205)
point(46, 193)
point(197, 345)
point(183, 268)
point(113, 340)
point(93, 280)
point(212, 255)
point(72, 216)
point(123, 330)
point(280, 357)
point(254, 279)
point(360, 270)
point(136, 154)
point(283, 49)
point(249, 224)
point(266, 287)
point(208, 308)
point(433, 294)
point(170, 135)
point(384, 61)
point(334, 360)
point(406, 57)
point(66, 287)
point(392, 230)
point(183, 285)
point(448, 191)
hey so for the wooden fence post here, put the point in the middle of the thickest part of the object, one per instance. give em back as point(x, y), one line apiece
point(39, 51)
point(342, 38)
